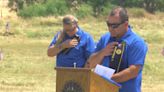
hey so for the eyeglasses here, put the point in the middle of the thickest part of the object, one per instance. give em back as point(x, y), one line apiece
point(114, 25)
point(68, 21)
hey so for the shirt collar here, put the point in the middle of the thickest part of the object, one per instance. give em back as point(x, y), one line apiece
point(79, 33)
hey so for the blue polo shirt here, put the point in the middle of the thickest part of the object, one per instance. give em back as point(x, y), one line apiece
point(78, 54)
point(134, 54)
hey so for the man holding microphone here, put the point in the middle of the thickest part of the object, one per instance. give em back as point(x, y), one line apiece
point(71, 46)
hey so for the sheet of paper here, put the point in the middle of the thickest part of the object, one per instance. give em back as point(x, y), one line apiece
point(104, 71)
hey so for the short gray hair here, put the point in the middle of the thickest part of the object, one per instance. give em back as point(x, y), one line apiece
point(70, 19)
point(122, 13)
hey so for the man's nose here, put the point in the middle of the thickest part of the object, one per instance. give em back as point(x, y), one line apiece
point(111, 29)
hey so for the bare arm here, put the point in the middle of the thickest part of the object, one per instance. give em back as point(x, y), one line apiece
point(98, 57)
point(56, 48)
point(127, 74)
point(95, 59)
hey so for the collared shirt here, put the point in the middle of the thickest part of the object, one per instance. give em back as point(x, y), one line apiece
point(134, 54)
point(78, 54)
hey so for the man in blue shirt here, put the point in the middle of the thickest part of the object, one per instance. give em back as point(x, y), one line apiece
point(71, 46)
point(133, 57)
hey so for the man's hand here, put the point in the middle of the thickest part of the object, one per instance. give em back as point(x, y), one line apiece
point(54, 50)
point(127, 74)
point(108, 50)
point(97, 58)
point(69, 43)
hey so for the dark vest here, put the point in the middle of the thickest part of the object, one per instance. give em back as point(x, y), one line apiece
point(116, 59)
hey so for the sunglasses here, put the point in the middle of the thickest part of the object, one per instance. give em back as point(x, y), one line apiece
point(68, 22)
point(114, 25)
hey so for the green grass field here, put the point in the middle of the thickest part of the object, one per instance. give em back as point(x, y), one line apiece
point(26, 67)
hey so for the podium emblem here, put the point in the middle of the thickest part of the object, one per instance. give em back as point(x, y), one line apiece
point(72, 86)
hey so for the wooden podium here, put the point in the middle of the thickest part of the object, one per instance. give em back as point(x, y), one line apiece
point(82, 80)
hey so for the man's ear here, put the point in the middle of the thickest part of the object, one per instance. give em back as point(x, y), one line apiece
point(74, 25)
point(126, 24)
